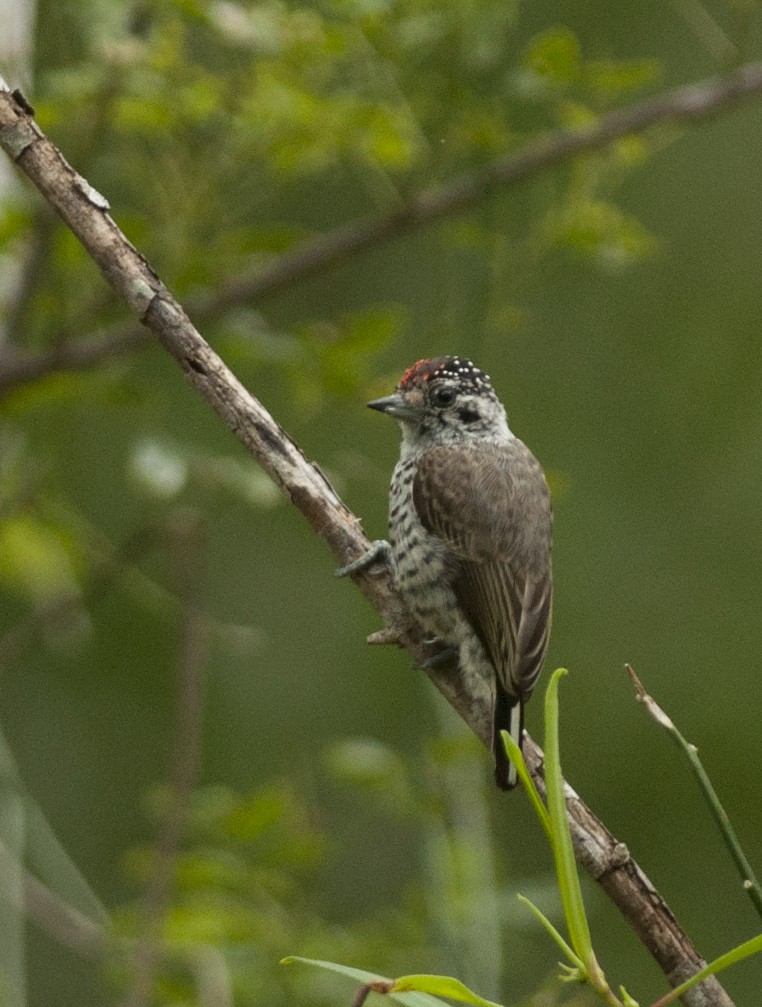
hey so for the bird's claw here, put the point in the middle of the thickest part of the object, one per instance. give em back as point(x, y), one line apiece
point(379, 554)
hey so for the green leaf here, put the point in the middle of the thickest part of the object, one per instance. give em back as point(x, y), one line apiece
point(258, 814)
point(572, 974)
point(610, 77)
point(745, 950)
point(600, 230)
point(343, 970)
point(34, 559)
point(554, 56)
point(566, 950)
point(367, 763)
point(563, 851)
point(517, 758)
point(627, 1000)
point(407, 999)
point(444, 986)
point(219, 870)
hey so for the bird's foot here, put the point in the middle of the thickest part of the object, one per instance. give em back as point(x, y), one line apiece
point(379, 556)
point(385, 636)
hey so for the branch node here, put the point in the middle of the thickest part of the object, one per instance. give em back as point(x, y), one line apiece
point(619, 855)
point(22, 102)
point(196, 365)
point(18, 138)
point(377, 986)
point(649, 702)
point(91, 194)
point(141, 296)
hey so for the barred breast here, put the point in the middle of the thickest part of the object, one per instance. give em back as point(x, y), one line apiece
point(424, 566)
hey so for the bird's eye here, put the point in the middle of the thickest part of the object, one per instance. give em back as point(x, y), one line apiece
point(444, 396)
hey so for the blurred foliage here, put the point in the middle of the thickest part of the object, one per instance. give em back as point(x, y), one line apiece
point(246, 882)
point(224, 133)
point(207, 123)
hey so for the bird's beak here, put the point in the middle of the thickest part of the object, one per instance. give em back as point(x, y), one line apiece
point(394, 405)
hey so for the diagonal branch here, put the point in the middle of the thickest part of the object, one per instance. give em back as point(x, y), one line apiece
point(690, 103)
point(56, 918)
point(85, 212)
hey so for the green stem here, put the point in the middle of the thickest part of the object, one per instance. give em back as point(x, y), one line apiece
point(515, 755)
point(563, 850)
point(751, 947)
point(749, 880)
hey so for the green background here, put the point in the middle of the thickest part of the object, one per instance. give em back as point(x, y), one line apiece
point(625, 344)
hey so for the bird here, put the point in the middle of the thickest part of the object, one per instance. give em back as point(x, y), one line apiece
point(470, 531)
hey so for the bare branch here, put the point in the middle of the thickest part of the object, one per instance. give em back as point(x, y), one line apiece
point(683, 104)
point(610, 863)
point(376, 986)
point(21, 367)
point(690, 103)
point(127, 271)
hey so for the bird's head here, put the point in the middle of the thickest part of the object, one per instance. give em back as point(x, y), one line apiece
point(444, 400)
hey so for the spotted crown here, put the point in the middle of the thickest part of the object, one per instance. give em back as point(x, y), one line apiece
point(460, 368)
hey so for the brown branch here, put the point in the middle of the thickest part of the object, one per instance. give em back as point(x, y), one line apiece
point(20, 367)
point(376, 986)
point(683, 104)
point(690, 103)
point(127, 271)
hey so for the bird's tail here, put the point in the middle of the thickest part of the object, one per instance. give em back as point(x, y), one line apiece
point(509, 716)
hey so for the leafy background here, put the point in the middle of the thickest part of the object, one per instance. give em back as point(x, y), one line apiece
point(341, 812)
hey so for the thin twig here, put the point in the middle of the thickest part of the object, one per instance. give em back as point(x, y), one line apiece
point(732, 957)
point(85, 212)
point(610, 863)
point(64, 609)
point(85, 936)
point(65, 924)
point(214, 985)
point(22, 367)
point(690, 103)
point(708, 31)
point(748, 879)
point(365, 989)
point(184, 760)
point(34, 259)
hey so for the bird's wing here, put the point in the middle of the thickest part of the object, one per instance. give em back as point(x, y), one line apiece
point(490, 505)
